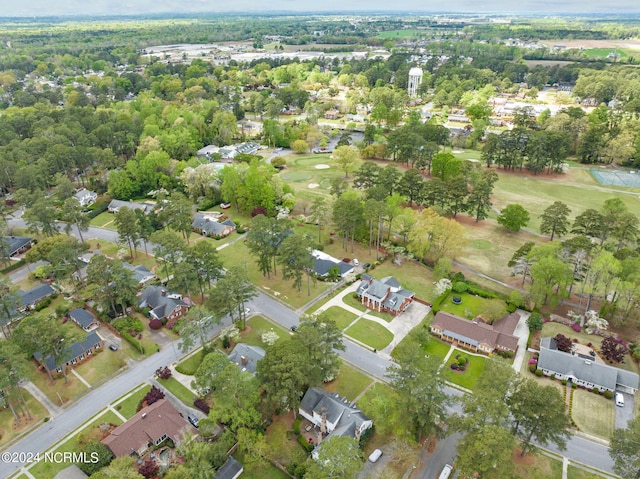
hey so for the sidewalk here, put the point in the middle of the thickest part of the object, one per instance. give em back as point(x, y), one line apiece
point(42, 398)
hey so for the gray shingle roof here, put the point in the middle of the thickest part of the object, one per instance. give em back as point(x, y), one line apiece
point(12, 244)
point(161, 305)
point(76, 350)
point(251, 355)
point(83, 317)
point(568, 364)
point(320, 401)
point(116, 204)
point(210, 225)
point(36, 294)
point(230, 469)
point(140, 272)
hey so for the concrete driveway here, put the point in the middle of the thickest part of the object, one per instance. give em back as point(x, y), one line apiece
point(522, 332)
point(624, 414)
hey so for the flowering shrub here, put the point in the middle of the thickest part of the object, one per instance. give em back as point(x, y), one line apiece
point(270, 337)
point(533, 361)
point(576, 327)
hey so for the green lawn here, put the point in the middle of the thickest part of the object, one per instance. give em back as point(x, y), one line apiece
point(385, 316)
point(370, 333)
point(129, 406)
point(576, 473)
point(593, 414)
point(102, 219)
point(436, 348)
point(402, 34)
point(7, 421)
point(282, 442)
point(258, 325)
point(543, 467)
point(47, 470)
point(342, 317)
point(59, 392)
point(469, 377)
point(178, 390)
point(349, 382)
point(237, 254)
point(470, 307)
point(349, 300)
point(103, 364)
point(412, 276)
point(190, 365)
point(258, 469)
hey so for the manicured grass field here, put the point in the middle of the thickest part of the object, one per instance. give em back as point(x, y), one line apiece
point(258, 326)
point(349, 382)
point(593, 414)
point(7, 421)
point(576, 473)
point(190, 365)
point(129, 406)
point(436, 348)
point(402, 34)
point(102, 219)
point(58, 389)
point(349, 300)
point(103, 364)
point(178, 390)
point(47, 470)
point(370, 333)
point(537, 466)
point(412, 275)
point(469, 377)
point(342, 317)
point(471, 305)
point(260, 469)
point(282, 442)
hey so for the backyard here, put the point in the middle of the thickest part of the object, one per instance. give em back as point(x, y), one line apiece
point(470, 307)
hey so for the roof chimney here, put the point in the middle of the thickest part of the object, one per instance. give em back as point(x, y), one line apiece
point(243, 360)
point(163, 292)
point(144, 415)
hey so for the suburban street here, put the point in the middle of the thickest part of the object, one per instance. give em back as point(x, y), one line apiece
point(579, 449)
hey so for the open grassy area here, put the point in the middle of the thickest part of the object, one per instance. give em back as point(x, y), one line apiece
point(402, 34)
point(342, 317)
point(349, 382)
point(190, 365)
point(576, 473)
point(258, 325)
point(436, 348)
point(103, 364)
point(260, 469)
point(8, 427)
point(180, 391)
point(102, 219)
point(282, 442)
point(47, 470)
point(370, 333)
point(350, 300)
point(593, 414)
point(128, 407)
point(307, 181)
point(59, 392)
point(469, 377)
point(470, 307)
point(536, 466)
point(237, 254)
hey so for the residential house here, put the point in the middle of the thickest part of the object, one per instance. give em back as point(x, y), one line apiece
point(86, 197)
point(78, 352)
point(323, 262)
point(385, 295)
point(333, 415)
point(148, 428)
point(115, 206)
point(84, 319)
point(231, 469)
point(163, 304)
point(71, 472)
point(246, 356)
point(208, 225)
point(140, 272)
point(477, 335)
point(15, 245)
point(332, 114)
point(227, 152)
point(584, 370)
point(33, 296)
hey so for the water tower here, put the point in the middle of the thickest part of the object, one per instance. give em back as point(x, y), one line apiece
point(415, 78)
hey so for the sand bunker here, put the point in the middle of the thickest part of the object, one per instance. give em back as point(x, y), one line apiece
point(457, 152)
point(313, 185)
point(322, 167)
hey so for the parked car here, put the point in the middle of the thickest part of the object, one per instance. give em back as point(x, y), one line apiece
point(446, 472)
point(225, 206)
point(356, 262)
point(193, 420)
point(375, 455)
point(366, 265)
point(113, 347)
point(619, 400)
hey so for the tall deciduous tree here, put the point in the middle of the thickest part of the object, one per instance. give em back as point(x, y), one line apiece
point(168, 247)
point(420, 386)
point(231, 294)
point(195, 326)
point(41, 217)
point(486, 453)
point(115, 284)
point(204, 257)
point(513, 217)
point(624, 449)
point(338, 458)
point(73, 215)
point(321, 340)
point(12, 373)
point(320, 212)
point(347, 158)
point(347, 216)
point(10, 301)
point(177, 214)
point(296, 258)
point(434, 236)
point(479, 199)
point(555, 219)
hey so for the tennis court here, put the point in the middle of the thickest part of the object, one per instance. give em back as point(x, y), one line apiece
point(617, 177)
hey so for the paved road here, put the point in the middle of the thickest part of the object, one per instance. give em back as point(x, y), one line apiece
point(578, 449)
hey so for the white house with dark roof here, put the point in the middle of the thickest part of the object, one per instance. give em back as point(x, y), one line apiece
point(323, 262)
point(86, 197)
point(333, 415)
point(84, 319)
point(115, 206)
point(209, 225)
point(384, 295)
point(15, 245)
point(583, 370)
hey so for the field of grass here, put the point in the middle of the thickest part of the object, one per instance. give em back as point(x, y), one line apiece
point(469, 377)
point(602, 53)
point(349, 383)
point(470, 307)
point(180, 391)
point(301, 172)
point(402, 34)
point(593, 414)
point(103, 364)
point(282, 442)
point(537, 467)
point(47, 470)
point(370, 333)
point(237, 254)
point(577, 473)
point(412, 275)
point(258, 326)
point(59, 392)
point(190, 365)
point(349, 300)
point(342, 317)
point(102, 219)
point(258, 469)
point(8, 427)
point(129, 406)
point(436, 348)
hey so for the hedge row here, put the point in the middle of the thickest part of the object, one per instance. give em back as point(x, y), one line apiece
point(134, 342)
point(14, 266)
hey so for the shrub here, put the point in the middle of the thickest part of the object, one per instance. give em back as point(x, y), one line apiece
point(163, 373)
point(259, 210)
point(483, 293)
point(149, 468)
point(608, 394)
point(533, 367)
point(539, 372)
point(296, 425)
point(202, 405)
point(533, 361)
point(574, 385)
point(100, 206)
point(127, 323)
point(534, 321)
point(511, 308)
point(303, 442)
point(155, 324)
point(152, 396)
point(596, 390)
point(45, 302)
point(460, 287)
point(240, 230)
point(564, 382)
point(576, 327)
point(226, 342)
point(134, 342)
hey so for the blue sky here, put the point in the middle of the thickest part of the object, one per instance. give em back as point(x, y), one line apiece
point(135, 7)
